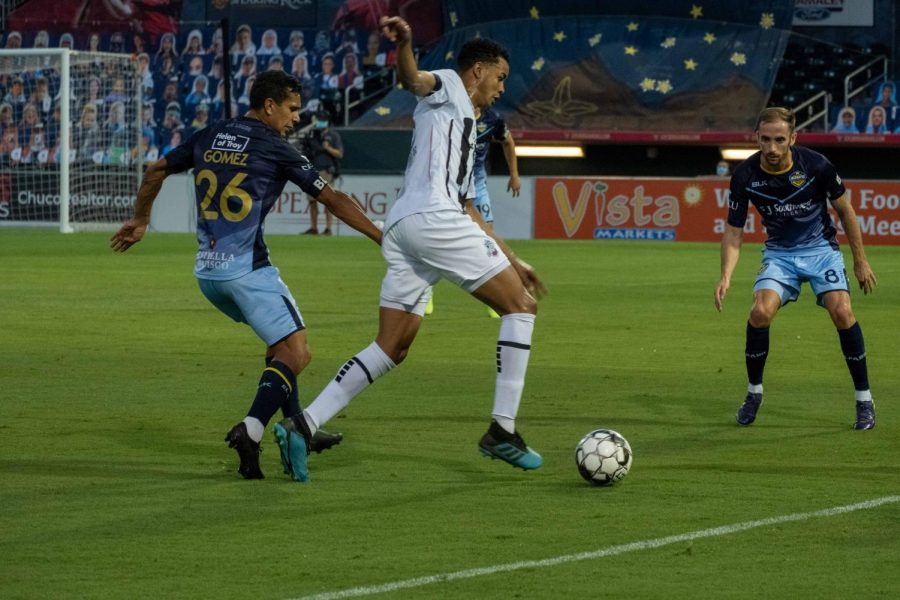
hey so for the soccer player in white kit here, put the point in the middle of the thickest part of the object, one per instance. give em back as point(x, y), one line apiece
point(429, 235)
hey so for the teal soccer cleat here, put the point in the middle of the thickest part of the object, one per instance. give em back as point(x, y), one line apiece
point(292, 437)
point(508, 447)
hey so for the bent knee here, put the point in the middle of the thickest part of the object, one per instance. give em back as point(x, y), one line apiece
point(761, 316)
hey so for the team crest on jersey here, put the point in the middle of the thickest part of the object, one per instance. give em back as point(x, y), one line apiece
point(491, 247)
point(481, 128)
point(797, 178)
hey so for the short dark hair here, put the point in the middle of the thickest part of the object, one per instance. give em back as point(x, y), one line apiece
point(480, 50)
point(276, 85)
point(776, 113)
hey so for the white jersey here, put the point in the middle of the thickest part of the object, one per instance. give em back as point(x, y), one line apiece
point(439, 170)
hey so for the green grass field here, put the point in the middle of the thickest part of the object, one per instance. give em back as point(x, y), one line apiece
point(119, 381)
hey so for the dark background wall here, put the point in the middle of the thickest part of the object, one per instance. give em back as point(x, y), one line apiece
point(393, 146)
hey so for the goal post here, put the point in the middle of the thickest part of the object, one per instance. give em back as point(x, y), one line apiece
point(71, 144)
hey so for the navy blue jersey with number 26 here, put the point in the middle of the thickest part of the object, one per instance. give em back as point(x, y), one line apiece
point(240, 168)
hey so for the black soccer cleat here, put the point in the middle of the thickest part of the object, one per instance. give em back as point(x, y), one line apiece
point(248, 451)
point(746, 414)
point(865, 415)
point(323, 440)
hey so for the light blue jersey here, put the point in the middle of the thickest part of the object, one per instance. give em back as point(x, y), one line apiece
point(489, 127)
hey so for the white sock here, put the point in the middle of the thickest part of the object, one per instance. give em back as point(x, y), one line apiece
point(754, 388)
point(513, 350)
point(355, 376)
point(863, 396)
point(255, 428)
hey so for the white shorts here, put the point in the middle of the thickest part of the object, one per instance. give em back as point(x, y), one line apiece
point(423, 248)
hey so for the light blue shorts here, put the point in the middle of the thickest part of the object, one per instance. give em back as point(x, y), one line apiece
point(261, 299)
point(782, 274)
point(483, 200)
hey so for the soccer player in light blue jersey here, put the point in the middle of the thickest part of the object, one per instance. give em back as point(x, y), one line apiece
point(240, 168)
point(791, 187)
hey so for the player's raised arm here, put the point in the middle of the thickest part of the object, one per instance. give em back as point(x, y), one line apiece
point(730, 252)
point(861, 268)
point(397, 30)
point(347, 210)
point(133, 230)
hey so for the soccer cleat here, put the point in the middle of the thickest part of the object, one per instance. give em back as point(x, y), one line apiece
point(327, 231)
point(746, 414)
point(429, 308)
point(323, 440)
point(248, 451)
point(865, 415)
point(311, 231)
point(293, 437)
point(508, 447)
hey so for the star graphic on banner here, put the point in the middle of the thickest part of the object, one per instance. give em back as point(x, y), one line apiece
point(559, 36)
point(538, 64)
point(562, 110)
point(632, 26)
point(738, 58)
point(648, 85)
point(449, 55)
point(709, 38)
point(690, 64)
point(382, 111)
point(535, 14)
point(767, 20)
point(669, 42)
point(664, 86)
point(594, 40)
point(696, 11)
point(453, 18)
point(631, 50)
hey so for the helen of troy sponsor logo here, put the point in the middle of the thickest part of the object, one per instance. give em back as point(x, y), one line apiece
point(229, 142)
point(227, 148)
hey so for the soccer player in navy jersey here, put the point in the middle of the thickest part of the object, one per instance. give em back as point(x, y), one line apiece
point(791, 187)
point(240, 168)
point(432, 233)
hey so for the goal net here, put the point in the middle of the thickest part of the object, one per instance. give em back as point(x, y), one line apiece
point(86, 102)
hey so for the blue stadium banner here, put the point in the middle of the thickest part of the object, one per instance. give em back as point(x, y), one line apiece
point(286, 13)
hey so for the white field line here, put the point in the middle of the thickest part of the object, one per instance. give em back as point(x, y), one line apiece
point(601, 553)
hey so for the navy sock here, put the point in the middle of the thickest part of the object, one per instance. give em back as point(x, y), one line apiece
point(756, 352)
point(275, 388)
point(291, 406)
point(855, 354)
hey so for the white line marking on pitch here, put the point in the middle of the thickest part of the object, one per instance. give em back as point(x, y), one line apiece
point(601, 553)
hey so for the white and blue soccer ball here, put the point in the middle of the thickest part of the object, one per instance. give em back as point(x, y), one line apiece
point(603, 457)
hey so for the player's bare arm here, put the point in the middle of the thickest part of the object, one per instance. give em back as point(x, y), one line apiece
point(347, 210)
point(509, 152)
point(134, 229)
point(861, 269)
point(397, 30)
point(730, 252)
point(526, 272)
